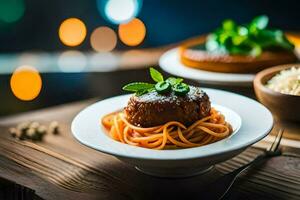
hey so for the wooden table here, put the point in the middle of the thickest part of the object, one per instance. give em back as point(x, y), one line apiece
point(61, 168)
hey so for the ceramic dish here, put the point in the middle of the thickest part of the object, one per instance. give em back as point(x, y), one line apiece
point(170, 62)
point(194, 54)
point(251, 122)
point(283, 106)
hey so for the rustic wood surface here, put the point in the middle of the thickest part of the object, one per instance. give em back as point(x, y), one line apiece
point(61, 168)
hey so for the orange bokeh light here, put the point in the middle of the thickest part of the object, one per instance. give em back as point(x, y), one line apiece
point(26, 83)
point(133, 32)
point(103, 39)
point(72, 32)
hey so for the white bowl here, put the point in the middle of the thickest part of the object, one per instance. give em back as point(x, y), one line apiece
point(251, 122)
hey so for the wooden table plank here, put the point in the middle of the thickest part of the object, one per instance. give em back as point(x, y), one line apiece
point(62, 168)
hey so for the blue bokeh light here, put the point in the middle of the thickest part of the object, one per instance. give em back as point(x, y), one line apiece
point(119, 11)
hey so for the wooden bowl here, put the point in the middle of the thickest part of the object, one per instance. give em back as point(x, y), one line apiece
point(201, 59)
point(283, 106)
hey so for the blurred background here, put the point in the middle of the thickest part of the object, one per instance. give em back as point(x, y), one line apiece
point(79, 49)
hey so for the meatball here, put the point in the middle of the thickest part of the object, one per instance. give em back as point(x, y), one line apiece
point(153, 109)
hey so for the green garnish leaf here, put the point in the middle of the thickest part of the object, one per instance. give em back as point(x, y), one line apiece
point(156, 75)
point(171, 84)
point(228, 24)
point(138, 86)
point(250, 39)
point(151, 89)
point(260, 22)
point(255, 51)
point(243, 31)
point(212, 44)
point(141, 92)
point(174, 81)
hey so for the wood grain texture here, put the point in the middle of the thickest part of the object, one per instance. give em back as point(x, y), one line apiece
point(61, 168)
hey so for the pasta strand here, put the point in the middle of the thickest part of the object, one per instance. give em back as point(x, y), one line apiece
point(172, 135)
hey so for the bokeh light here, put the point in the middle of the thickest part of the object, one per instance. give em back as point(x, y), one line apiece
point(117, 11)
point(72, 32)
point(26, 83)
point(133, 32)
point(103, 39)
point(72, 61)
point(31, 59)
point(11, 10)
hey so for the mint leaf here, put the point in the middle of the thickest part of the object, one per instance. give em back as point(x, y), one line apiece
point(138, 86)
point(141, 92)
point(249, 39)
point(174, 81)
point(261, 22)
point(156, 75)
point(228, 24)
point(151, 89)
point(256, 50)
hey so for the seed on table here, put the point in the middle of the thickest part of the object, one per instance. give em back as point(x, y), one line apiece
point(13, 132)
point(30, 133)
point(41, 132)
point(42, 129)
point(37, 137)
point(22, 127)
point(34, 125)
point(22, 136)
point(54, 128)
point(33, 130)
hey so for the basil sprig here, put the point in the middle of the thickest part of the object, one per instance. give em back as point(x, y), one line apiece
point(250, 39)
point(161, 86)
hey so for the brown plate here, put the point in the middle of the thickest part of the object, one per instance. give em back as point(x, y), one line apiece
point(201, 59)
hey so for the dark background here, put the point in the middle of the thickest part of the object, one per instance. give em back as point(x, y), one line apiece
point(167, 22)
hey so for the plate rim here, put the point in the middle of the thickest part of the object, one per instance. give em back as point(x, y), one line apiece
point(174, 52)
point(193, 156)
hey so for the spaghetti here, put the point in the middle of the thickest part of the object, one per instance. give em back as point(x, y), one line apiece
point(172, 135)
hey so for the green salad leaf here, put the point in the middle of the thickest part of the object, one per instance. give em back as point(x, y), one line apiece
point(259, 22)
point(249, 39)
point(174, 81)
